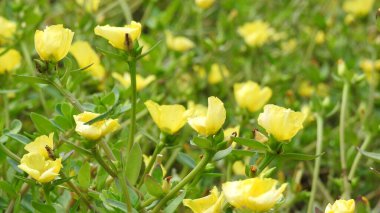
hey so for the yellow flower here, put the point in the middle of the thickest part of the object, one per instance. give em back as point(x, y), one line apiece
point(305, 89)
point(10, 60)
point(280, 122)
point(95, 130)
point(238, 168)
point(369, 68)
point(341, 206)
point(141, 82)
point(255, 33)
point(39, 168)
point(53, 43)
point(85, 55)
point(204, 4)
point(195, 110)
point(169, 118)
point(178, 43)
point(39, 144)
point(89, 5)
point(212, 203)
point(320, 37)
point(358, 8)
point(218, 73)
point(229, 131)
point(200, 71)
point(254, 194)
point(210, 123)
point(116, 36)
point(289, 46)
point(250, 96)
point(7, 30)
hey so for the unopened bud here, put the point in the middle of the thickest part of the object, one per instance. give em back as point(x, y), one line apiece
point(258, 136)
point(166, 185)
point(341, 67)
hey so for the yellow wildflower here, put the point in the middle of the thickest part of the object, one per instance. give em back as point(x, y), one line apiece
point(238, 168)
point(53, 43)
point(178, 43)
point(358, 8)
point(212, 203)
point(39, 168)
point(305, 89)
point(280, 122)
point(254, 194)
point(141, 82)
point(217, 73)
point(212, 121)
point(289, 46)
point(7, 30)
point(96, 130)
point(89, 5)
point(255, 33)
point(204, 4)
point(370, 70)
point(320, 37)
point(9, 61)
point(116, 36)
point(85, 55)
point(169, 118)
point(39, 145)
point(341, 206)
point(250, 96)
point(195, 110)
point(200, 71)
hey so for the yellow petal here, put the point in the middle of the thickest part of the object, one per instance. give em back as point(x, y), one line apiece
point(7, 30)
point(89, 5)
point(209, 204)
point(53, 43)
point(169, 118)
point(116, 36)
point(255, 33)
point(341, 206)
point(10, 60)
point(204, 4)
point(218, 73)
point(179, 43)
point(39, 144)
point(250, 96)
point(95, 130)
point(282, 123)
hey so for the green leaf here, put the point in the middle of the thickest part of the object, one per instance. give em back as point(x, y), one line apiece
point(26, 180)
point(222, 154)
point(8, 188)
point(31, 79)
point(16, 126)
point(43, 208)
point(257, 146)
point(372, 155)
point(150, 50)
point(42, 124)
point(19, 138)
point(186, 160)
point(173, 205)
point(299, 156)
point(133, 165)
point(153, 186)
point(84, 175)
point(157, 173)
point(243, 153)
point(202, 142)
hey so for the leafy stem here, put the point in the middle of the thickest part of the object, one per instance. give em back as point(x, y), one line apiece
point(132, 129)
point(197, 170)
point(317, 163)
point(342, 125)
point(70, 97)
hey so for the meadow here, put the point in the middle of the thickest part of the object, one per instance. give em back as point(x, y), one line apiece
point(201, 106)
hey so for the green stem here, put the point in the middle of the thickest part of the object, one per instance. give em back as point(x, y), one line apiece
point(107, 150)
point(229, 170)
point(75, 189)
point(70, 97)
point(343, 109)
point(359, 156)
point(126, 10)
point(9, 153)
point(147, 202)
point(102, 163)
point(132, 69)
point(173, 192)
point(6, 110)
point(156, 151)
point(317, 162)
point(78, 148)
point(265, 162)
point(124, 189)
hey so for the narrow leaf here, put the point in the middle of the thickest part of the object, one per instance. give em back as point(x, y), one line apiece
point(299, 156)
point(186, 160)
point(42, 124)
point(84, 175)
point(257, 146)
point(133, 165)
point(173, 205)
point(372, 155)
point(153, 186)
point(31, 79)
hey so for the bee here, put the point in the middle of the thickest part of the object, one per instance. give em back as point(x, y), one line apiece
point(50, 152)
point(128, 41)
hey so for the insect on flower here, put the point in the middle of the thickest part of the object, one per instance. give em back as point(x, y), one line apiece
point(50, 152)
